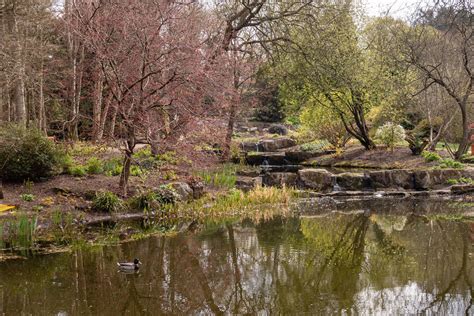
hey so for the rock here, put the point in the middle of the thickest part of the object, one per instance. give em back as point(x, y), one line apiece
point(429, 179)
point(61, 191)
point(275, 144)
point(278, 179)
point(184, 191)
point(272, 158)
point(399, 178)
point(198, 189)
point(307, 194)
point(462, 189)
point(351, 193)
point(248, 173)
point(249, 146)
point(468, 173)
point(278, 129)
point(299, 156)
point(353, 181)
point(316, 179)
point(245, 183)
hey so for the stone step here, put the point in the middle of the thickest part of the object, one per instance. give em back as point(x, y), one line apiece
point(268, 145)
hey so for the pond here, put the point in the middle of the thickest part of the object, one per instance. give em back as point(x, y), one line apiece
point(348, 262)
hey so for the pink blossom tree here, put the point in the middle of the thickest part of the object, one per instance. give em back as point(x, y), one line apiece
point(152, 57)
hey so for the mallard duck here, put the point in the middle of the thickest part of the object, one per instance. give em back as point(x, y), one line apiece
point(135, 265)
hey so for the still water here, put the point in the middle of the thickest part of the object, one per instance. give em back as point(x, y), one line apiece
point(334, 263)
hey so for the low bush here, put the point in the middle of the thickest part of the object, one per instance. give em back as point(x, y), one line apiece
point(107, 202)
point(390, 134)
point(461, 180)
point(77, 171)
point(28, 154)
point(430, 156)
point(143, 201)
point(467, 158)
point(113, 167)
point(166, 195)
point(27, 197)
point(94, 166)
point(450, 163)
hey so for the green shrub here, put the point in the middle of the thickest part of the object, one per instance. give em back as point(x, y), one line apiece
point(461, 180)
point(467, 158)
point(450, 163)
point(170, 175)
point(113, 167)
point(143, 201)
point(107, 202)
point(166, 195)
point(430, 156)
point(27, 154)
point(77, 171)
point(136, 171)
point(27, 197)
point(315, 146)
point(94, 166)
point(389, 134)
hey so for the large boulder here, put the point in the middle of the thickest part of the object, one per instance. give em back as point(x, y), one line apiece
point(316, 179)
point(352, 181)
point(246, 183)
point(248, 173)
point(184, 191)
point(278, 129)
point(270, 158)
point(249, 146)
point(276, 144)
point(462, 189)
point(278, 179)
point(432, 178)
point(399, 178)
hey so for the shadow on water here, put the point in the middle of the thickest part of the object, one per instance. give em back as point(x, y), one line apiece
point(347, 262)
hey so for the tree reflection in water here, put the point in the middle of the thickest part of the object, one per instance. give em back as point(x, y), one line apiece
point(354, 263)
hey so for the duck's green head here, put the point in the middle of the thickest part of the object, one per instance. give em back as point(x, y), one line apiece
point(137, 261)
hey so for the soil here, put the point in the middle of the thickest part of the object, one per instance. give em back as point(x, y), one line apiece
point(380, 158)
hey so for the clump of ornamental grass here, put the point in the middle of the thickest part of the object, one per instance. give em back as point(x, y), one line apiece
point(261, 202)
point(107, 202)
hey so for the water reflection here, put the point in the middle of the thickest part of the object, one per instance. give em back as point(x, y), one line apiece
point(340, 263)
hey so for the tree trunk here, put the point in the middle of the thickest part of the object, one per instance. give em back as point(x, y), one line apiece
point(125, 175)
point(19, 88)
point(127, 161)
point(112, 122)
point(97, 109)
point(20, 103)
point(465, 141)
point(103, 117)
point(229, 132)
point(41, 108)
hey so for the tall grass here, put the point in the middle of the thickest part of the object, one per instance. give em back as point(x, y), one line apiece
point(19, 233)
point(261, 202)
point(224, 177)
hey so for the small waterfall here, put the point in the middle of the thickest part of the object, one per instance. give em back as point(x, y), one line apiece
point(265, 166)
point(335, 185)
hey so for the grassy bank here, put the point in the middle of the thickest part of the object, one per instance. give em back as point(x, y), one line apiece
point(21, 234)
